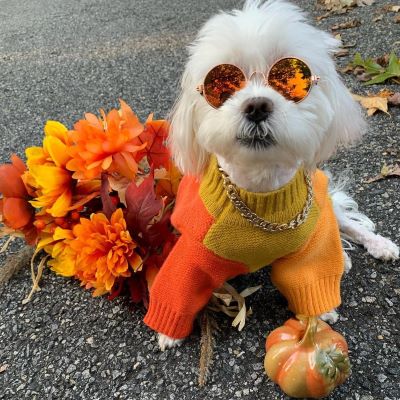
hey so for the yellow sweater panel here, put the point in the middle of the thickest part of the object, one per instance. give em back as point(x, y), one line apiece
point(233, 237)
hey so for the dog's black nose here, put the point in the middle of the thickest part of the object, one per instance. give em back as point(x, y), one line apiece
point(257, 109)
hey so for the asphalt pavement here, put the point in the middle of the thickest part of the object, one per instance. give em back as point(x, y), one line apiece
point(60, 58)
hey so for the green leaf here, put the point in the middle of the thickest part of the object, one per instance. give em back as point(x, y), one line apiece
point(379, 74)
point(379, 78)
point(370, 66)
point(394, 65)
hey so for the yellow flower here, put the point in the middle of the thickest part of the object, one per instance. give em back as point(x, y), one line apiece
point(105, 251)
point(64, 256)
point(47, 174)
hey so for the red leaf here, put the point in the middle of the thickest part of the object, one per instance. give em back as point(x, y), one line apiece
point(158, 233)
point(135, 289)
point(108, 205)
point(142, 204)
point(116, 290)
point(155, 135)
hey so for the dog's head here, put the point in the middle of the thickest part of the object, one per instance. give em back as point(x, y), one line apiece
point(284, 132)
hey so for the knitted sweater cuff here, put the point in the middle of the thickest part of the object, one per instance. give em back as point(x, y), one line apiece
point(317, 298)
point(163, 319)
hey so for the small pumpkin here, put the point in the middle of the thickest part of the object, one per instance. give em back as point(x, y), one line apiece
point(306, 358)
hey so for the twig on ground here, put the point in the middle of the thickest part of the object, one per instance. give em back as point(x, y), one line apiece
point(208, 328)
point(14, 263)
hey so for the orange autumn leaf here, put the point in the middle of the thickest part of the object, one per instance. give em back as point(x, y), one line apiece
point(151, 273)
point(154, 138)
point(167, 180)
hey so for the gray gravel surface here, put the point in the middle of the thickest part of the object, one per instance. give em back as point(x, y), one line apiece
point(59, 58)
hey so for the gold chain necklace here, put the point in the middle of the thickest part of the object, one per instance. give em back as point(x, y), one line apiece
point(259, 222)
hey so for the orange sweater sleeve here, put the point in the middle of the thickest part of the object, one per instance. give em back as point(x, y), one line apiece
point(191, 272)
point(310, 277)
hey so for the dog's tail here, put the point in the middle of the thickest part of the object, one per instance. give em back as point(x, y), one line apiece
point(355, 226)
point(344, 206)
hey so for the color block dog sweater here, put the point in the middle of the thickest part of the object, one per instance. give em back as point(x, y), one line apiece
point(217, 244)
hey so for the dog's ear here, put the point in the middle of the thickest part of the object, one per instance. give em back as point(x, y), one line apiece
point(188, 155)
point(348, 123)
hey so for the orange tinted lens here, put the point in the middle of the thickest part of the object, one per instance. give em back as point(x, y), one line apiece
point(290, 77)
point(221, 82)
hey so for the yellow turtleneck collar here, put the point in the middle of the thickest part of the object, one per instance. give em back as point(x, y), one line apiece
point(281, 205)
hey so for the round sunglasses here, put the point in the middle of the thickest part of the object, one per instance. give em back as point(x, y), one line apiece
point(289, 76)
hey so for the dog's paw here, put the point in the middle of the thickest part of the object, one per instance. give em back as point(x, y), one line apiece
point(382, 248)
point(347, 262)
point(331, 316)
point(166, 342)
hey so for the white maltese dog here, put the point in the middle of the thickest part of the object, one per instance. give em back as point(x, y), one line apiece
point(261, 105)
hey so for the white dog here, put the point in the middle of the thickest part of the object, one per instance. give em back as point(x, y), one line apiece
point(260, 134)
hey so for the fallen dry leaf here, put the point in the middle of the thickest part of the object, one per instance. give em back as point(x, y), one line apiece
point(377, 18)
point(387, 171)
point(391, 8)
point(391, 151)
point(372, 103)
point(353, 23)
point(227, 300)
point(323, 16)
point(383, 60)
point(394, 99)
point(397, 19)
point(340, 5)
point(3, 368)
point(342, 52)
point(348, 68)
point(385, 93)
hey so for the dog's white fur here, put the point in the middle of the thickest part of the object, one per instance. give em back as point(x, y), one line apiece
point(304, 133)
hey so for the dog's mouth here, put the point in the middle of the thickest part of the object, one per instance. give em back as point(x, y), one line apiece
point(256, 137)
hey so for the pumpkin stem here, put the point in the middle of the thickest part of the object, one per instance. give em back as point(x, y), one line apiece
point(309, 334)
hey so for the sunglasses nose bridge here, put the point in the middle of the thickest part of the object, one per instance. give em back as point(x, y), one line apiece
point(258, 77)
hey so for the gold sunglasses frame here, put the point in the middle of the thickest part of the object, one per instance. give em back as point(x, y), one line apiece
point(314, 79)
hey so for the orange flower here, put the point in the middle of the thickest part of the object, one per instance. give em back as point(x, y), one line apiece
point(15, 209)
point(105, 251)
point(109, 143)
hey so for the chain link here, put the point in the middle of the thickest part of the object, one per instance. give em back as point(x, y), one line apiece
point(259, 222)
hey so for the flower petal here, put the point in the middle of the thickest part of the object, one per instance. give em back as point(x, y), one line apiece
point(17, 212)
point(57, 150)
point(11, 184)
point(60, 207)
point(18, 163)
point(56, 129)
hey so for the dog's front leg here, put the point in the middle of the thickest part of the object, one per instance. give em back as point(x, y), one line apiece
point(166, 342)
point(183, 287)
